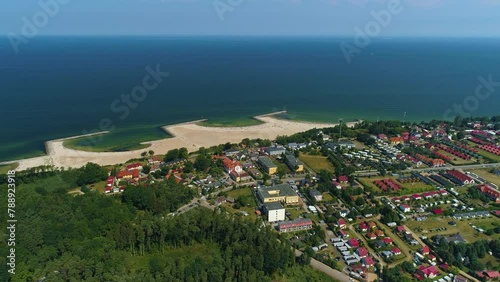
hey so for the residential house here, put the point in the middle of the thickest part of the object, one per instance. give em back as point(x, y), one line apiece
point(354, 243)
point(362, 252)
point(293, 163)
point(295, 225)
point(341, 223)
point(405, 208)
point(137, 166)
point(425, 272)
point(268, 165)
point(129, 175)
point(340, 144)
point(367, 262)
point(396, 251)
point(316, 195)
point(275, 150)
point(491, 192)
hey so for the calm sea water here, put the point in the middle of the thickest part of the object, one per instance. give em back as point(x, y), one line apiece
point(63, 86)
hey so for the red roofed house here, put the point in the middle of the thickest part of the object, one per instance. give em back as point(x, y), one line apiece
point(401, 228)
point(341, 223)
point(362, 252)
point(354, 243)
point(110, 181)
point(343, 179)
point(488, 274)
point(372, 225)
point(425, 250)
point(368, 261)
point(437, 211)
point(426, 272)
point(443, 192)
point(371, 236)
point(437, 162)
point(363, 227)
point(416, 197)
point(491, 192)
point(397, 140)
point(396, 251)
point(379, 233)
point(137, 166)
point(461, 177)
point(387, 240)
point(128, 175)
point(343, 234)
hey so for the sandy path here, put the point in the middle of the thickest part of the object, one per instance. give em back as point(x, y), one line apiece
point(189, 135)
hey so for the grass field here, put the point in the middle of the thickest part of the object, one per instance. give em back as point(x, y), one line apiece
point(316, 163)
point(295, 212)
point(235, 193)
point(327, 197)
point(5, 168)
point(456, 160)
point(462, 227)
point(484, 153)
point(490, 177)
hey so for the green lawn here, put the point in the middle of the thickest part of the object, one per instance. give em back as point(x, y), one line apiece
point(316, 163)
point(5, 168)
point(295, 212)
point(487, 175)
point(462, 227)
point(327, 197)
point(408, 188)
point(456, 160)
point(235, 193)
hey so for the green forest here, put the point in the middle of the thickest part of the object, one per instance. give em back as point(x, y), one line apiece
point(96, 237)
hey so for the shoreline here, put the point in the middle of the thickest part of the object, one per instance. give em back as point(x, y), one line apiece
point(190, 135)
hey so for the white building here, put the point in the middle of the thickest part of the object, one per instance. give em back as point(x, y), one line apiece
point(275, 211)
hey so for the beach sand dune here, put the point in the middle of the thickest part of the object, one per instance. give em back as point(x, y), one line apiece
point(189, 135)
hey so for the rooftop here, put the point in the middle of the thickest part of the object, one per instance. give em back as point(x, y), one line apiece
point(267, 162)
point(277, 190)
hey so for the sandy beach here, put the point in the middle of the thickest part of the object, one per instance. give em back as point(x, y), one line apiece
point(189, 135)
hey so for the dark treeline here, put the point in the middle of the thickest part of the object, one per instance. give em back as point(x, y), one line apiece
point(94, 237)
point(88, 174)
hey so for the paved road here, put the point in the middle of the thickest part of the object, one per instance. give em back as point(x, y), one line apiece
point(327, 270)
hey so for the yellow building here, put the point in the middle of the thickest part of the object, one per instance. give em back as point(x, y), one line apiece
point(278, 193)
point(268, 165)
point(294, 164)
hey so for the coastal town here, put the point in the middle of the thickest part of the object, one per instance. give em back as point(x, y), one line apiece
point(380, 201)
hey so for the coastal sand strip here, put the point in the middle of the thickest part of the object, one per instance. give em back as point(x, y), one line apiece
point(189, 135)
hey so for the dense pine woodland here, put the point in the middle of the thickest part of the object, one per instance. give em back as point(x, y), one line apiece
point(65, 236)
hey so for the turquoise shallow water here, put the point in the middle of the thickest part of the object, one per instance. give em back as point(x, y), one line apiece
point(63, 86)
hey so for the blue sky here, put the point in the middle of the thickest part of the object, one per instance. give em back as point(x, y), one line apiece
point(457, 18)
